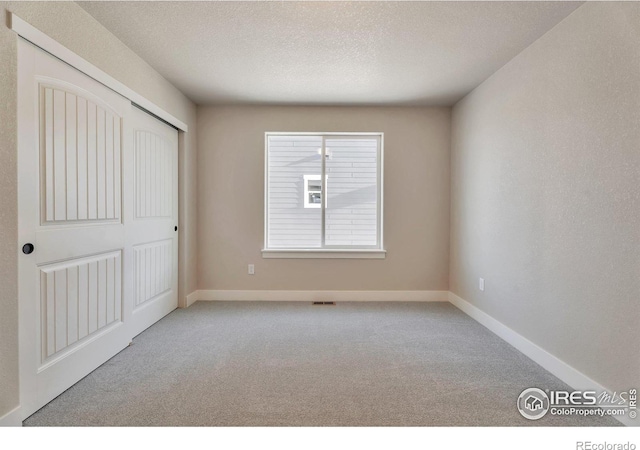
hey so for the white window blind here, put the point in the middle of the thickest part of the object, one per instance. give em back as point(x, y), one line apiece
point(341, 212)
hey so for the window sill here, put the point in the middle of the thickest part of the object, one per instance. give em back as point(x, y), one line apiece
point(324, 253)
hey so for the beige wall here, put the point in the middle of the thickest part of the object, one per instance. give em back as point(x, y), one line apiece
point(231, 199)
point(74, 28)
point(546, 193)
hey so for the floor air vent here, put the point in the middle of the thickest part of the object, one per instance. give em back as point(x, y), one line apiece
point(324, 303)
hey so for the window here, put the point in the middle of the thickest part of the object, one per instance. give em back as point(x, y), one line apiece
point(312, 191)
point(338, 217)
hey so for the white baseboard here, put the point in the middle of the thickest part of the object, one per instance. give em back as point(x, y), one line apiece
point(192, 298)
point(12, 418)
point(574, 378)
point(330, 296)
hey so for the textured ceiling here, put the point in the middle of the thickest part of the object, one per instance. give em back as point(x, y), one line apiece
point(340, 53)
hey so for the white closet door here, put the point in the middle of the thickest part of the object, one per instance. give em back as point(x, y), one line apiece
point(74, 297)
point(153, 235)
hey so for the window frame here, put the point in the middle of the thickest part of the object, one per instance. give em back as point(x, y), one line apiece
point(361, 252)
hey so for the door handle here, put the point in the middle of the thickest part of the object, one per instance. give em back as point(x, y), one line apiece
point(28, 248)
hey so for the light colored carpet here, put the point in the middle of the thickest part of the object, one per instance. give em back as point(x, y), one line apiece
point(279, 363)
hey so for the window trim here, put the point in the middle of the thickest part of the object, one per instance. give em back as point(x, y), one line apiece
point(324, 253)
point(364, 252)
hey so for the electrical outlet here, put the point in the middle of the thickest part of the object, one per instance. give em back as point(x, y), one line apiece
point(252, 269)
point(481, 284)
